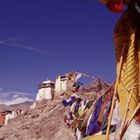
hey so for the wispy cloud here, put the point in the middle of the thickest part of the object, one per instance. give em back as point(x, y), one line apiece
point(10, 42)
point(15, 101)
point(14, 97)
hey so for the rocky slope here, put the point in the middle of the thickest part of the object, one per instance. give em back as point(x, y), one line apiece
point(45, 122)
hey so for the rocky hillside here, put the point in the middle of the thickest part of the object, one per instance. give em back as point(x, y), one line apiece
point(45, 122)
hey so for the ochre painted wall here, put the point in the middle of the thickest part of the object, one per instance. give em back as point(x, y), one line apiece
point(2, 118)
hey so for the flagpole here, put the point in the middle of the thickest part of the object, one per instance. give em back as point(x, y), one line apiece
point(125, 116)
point(114, 96)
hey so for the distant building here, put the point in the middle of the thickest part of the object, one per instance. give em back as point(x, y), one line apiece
point(11, 115)
point(46, 90)
point(7, 115)
point(62, 84)
point(49, 88)
point(2, 118)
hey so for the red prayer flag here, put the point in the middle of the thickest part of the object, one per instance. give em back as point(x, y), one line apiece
point(115, 5)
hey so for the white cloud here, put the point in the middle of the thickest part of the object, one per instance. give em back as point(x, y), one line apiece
point(14, 97)
point(15, 101)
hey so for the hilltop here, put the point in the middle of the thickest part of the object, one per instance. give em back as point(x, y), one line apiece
point(45, 121)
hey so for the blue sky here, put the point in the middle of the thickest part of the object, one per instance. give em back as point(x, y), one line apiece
point(40, 39)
